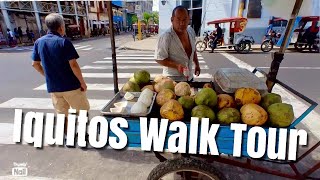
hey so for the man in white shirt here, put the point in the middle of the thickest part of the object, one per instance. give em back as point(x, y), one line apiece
point(10, 37)
point(176, 47)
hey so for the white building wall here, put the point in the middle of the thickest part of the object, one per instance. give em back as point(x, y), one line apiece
point(217, 9)
point(165, 12)
point(213, 10)
point(256, 27)
point(316, 7)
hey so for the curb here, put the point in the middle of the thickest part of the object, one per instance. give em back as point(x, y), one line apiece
point(135, 49)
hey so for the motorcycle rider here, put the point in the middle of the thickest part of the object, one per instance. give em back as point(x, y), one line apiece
point(269, 30)
point(217, 37)
point(311, 33)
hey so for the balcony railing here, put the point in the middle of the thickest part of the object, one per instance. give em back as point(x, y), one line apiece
point(47, 7)
point(21, 5)
point(81, 11)
point(67, 9)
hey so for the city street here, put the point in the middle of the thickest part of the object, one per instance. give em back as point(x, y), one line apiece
point(22, 87)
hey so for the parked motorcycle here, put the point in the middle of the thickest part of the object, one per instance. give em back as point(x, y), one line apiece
point(271, 40)
point(202, 45)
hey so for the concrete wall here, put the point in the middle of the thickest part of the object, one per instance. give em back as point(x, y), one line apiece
point(213, 10)
point(217, 9)
point(256, 27)
point(316, 7)
point(165, 12)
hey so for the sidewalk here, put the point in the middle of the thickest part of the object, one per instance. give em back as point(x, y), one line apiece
point(148, 44)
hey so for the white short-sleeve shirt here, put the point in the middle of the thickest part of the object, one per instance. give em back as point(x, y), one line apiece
point(170, 46)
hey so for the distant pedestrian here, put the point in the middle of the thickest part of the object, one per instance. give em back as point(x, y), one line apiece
point(118, 29)
point(31, 36)
point(20, 34)
point(56, 58)
point(16, 34)
point(10, 37)
point(28, 35)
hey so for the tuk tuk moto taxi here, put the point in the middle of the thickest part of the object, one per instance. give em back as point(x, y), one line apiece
point(307, 34)
point(241, 43)
point(73, 31)
point(273, 33)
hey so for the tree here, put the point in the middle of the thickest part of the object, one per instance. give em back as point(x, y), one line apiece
point(146, 18)
point(134, 19)
point(155, 17)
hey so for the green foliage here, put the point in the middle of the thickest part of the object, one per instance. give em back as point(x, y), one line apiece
point(155, 17)
point(134, 19)
point(146, 18)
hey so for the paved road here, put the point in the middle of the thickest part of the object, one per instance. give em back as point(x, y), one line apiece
point(22, 87)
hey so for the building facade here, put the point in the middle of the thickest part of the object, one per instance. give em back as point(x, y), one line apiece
point(31, 14)
point(98, 15)
point(130, 5)
point(203, 11)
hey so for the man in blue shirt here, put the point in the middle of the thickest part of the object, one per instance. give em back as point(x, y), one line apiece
point(55, 58)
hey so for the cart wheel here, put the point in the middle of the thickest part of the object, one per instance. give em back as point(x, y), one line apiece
point(243, 47)
point(266, 45)
point(314, 48)
point(201, 46)
point(300, 47)
point(185, 168)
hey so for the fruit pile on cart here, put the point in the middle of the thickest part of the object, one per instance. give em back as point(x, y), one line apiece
point(232, 96)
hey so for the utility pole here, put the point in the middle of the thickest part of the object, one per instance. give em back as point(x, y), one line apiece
point(278, 56)
point(113, 48)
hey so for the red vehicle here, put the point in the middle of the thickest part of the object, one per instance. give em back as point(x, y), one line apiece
point(307, 34)
point(240, 42)
point(73, 32)
point(153, 28)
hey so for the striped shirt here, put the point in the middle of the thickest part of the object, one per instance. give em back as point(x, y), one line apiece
point(170, 46)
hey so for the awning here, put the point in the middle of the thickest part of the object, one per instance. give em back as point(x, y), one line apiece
point(226, 20)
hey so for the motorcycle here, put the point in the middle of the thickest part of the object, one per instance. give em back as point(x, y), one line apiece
point(304, 43)
point(271, 40)
point(202, 45)
point(238, 41)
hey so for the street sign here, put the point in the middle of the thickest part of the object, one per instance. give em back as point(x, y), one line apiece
point(138, 11)
point(138, 8)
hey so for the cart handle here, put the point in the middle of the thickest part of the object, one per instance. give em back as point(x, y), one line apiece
point(310, 101)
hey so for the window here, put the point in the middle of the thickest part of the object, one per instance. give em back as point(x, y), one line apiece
point(186, 4)
point(91, 3)
point(280, 23)
point(254, 9)
point(196, 3)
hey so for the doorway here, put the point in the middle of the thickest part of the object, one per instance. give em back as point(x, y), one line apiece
point(196, 20)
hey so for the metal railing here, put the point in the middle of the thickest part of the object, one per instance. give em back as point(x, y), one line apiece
point(21, 5)
point(44, 7)
point(47, 7)
point(81, 11)
point(67, 9)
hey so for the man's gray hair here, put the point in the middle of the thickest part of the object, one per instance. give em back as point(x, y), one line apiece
point(54, 21)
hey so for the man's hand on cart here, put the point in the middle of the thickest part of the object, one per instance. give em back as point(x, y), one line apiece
point(180, 68)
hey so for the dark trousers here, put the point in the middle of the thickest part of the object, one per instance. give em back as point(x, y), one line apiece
point(214, 43)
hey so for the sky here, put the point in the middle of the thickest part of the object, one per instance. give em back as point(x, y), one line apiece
point(155, 5)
